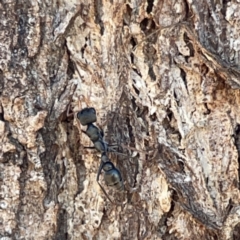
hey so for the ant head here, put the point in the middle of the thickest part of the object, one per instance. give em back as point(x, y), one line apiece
point(87, 116)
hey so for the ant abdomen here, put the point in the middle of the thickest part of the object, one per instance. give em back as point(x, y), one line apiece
point(112, 176)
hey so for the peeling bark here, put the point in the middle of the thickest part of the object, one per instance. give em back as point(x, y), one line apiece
point(163, 77)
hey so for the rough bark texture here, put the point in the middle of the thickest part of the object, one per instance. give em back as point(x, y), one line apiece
point(164, 77)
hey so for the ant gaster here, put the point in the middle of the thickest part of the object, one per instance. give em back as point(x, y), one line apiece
point(112, 175)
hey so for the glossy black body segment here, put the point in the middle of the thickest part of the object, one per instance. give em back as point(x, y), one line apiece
point(112, 176)
point(101, 146)
point(87, 116)
point(94, 133)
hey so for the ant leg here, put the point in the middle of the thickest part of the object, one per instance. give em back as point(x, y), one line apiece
point(112, 149)
point(89, 147)
point(79, 102)
point(105, 192)
point(79, 126)
point(85, 99)
point(84, 132)
point(113, 145)
point(98, 175)
point(68, 108)
point(133, 149)
point(71, 114)
point(68, 111)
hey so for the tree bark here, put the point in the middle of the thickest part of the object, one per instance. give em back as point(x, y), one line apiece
point(164, 78)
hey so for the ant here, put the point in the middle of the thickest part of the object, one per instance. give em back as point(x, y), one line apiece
point(112, 175)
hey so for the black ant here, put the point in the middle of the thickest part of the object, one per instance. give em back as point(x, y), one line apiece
point(112, 175)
